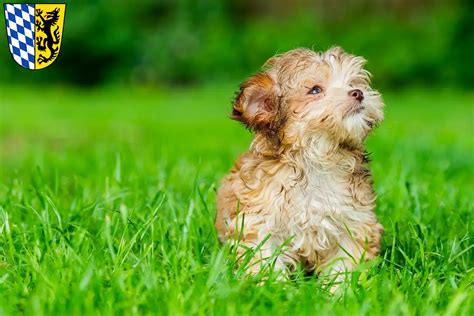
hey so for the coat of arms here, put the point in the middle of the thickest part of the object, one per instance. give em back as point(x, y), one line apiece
point(34, 33)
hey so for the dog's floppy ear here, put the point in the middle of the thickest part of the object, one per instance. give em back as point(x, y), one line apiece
point(257, 104)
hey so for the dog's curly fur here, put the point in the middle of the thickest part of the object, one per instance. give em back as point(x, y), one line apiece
point(305, 180)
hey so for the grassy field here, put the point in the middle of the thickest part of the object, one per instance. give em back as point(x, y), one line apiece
point(107, 207)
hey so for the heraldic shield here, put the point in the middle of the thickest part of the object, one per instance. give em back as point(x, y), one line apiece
point(34, 33)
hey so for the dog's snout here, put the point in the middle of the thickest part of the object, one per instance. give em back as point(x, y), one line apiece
point(357, 94)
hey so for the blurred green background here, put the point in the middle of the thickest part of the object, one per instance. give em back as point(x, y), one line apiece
point(166, 42)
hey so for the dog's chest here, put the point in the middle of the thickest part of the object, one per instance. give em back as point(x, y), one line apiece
point(319, 196)
point(318, 209)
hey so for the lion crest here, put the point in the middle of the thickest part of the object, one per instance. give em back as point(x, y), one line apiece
point(48, 39)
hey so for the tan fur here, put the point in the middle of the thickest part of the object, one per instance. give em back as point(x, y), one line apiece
point(304, 181)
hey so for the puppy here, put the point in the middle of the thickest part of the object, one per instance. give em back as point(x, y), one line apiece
point(303, 193)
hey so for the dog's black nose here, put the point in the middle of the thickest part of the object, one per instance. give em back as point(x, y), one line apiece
point(357, 94)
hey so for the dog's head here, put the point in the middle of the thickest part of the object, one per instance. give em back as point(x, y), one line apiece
point(302, 93)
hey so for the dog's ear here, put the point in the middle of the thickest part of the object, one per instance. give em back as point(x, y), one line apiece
point(257, 103)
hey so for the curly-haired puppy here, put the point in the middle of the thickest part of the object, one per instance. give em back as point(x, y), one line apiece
point(304, 190)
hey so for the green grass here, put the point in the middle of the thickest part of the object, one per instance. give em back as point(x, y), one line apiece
point(107, 207)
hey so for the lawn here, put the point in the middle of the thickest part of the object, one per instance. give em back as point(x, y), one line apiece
point(107, 202)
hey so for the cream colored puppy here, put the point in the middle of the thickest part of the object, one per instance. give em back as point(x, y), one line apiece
point(304, 183)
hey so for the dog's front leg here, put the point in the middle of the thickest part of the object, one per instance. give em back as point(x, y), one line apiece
point(336, 266)
point(257, 250)
point(350, 253)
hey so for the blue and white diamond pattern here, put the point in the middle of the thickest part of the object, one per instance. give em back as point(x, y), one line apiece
point(20, 19)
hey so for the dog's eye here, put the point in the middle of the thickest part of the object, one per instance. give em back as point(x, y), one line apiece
point(315, 90)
